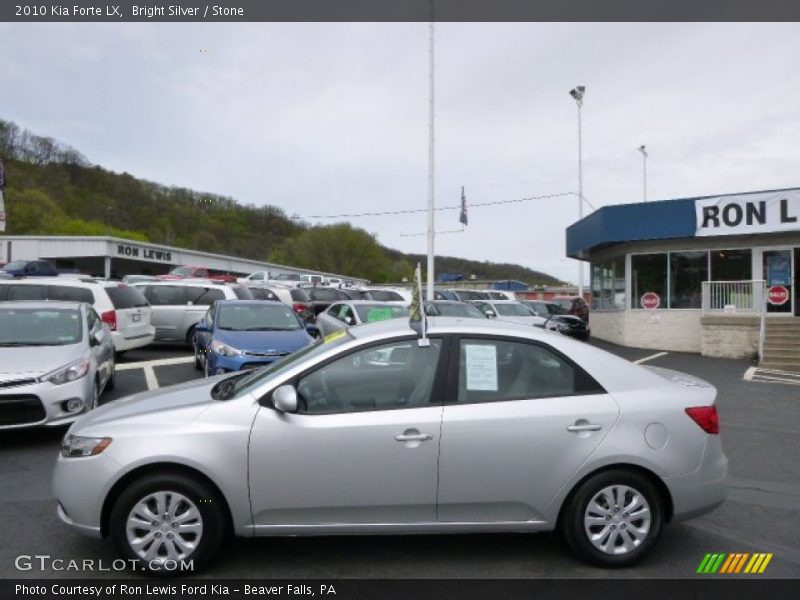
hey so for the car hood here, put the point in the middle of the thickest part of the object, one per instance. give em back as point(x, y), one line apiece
point(34, 361)
point(178, 403)
point(277, 342)
point(571, 319)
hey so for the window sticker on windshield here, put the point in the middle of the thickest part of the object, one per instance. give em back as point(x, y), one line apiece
point(379, 314)
point(481, 365)
point(332, 337)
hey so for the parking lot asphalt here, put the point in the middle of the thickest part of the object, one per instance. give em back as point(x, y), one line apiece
point(760, 424)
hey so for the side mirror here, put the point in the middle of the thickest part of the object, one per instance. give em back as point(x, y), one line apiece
point(284, 399)
point(97, 336)
point(490, 314)
point(312, 330)
point(202, 327)
point(349, 320)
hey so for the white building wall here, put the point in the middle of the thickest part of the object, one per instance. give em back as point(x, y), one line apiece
point(672, 330)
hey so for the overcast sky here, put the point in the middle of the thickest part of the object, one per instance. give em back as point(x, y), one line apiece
point(332, 118)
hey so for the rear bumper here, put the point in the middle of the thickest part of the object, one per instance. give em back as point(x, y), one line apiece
point(703, 490)
point(122, 343)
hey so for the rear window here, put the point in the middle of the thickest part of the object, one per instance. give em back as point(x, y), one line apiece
point(263, 294)
point(326, 294)
point(470, 295)
point(70, 294)
point(123, 296)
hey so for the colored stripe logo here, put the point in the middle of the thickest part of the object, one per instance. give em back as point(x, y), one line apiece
point(735, 562)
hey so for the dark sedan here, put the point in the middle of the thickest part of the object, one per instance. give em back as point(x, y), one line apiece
point(559, 319)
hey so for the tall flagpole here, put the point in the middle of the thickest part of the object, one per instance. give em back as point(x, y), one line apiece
point(431, 231)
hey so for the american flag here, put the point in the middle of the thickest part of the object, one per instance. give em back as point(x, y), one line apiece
point(463, 217)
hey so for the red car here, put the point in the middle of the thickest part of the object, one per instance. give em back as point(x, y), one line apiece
point(198, 273)
point(574, 305)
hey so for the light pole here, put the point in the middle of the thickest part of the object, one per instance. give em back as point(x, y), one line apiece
point(431, 117)
point(644, 171)
point(577, 93)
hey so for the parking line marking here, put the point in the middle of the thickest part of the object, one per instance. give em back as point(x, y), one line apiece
point(164, 362)
point(646, 358)
point(150, 378)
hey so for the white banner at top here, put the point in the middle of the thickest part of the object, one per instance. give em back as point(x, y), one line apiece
point(748, 213)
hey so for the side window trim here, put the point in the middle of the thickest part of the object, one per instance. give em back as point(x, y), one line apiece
point(455, 366)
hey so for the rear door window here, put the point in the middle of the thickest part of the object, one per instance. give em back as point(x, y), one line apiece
point(27, 292)
point(242, 293)
point(123, 296)
point(70, 294)
point(204, 296)
point(299, 295)
point(165, 295)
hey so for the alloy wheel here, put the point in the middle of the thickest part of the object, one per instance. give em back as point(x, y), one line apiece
point(617, 519)
point(164, 526)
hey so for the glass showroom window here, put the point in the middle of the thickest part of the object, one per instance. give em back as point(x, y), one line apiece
point(687, 272)
point(731, 265)
point(648, 276)
point(608, 285)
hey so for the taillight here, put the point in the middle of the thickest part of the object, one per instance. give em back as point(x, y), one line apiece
point(706, 417)
point(110, 318)
point(301, 308)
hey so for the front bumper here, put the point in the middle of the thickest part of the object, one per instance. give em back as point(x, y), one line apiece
point(80, 486)
point(236, 363)
point(43, 403)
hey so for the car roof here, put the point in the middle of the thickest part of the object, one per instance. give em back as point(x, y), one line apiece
point(187, 283)
point(249, 302)
point(66, 281)
point(440, 325)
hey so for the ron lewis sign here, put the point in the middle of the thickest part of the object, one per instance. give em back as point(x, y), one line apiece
point(748, 213)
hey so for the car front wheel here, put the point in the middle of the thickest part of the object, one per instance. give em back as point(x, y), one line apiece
point(613, 519)
point(166, 522)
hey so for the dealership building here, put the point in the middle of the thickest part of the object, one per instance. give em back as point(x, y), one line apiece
point(112, 257)
point(715, 275)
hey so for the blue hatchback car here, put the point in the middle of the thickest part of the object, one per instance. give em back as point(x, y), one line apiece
point(244, 334)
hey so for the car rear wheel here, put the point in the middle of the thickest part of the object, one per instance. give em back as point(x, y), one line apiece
point(163, 519)
point(613, 519)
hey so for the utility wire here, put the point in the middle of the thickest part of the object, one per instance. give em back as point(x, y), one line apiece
point(387, 213)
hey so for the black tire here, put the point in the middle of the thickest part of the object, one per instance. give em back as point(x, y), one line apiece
point(574, 531)
point(112, 379)
point(206, 501)
point(197, 362)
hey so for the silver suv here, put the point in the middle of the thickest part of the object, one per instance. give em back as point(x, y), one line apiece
point(178, 305)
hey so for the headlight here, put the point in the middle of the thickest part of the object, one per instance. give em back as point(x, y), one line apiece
point(71, 372)
point(224, 349)
point(75, 445)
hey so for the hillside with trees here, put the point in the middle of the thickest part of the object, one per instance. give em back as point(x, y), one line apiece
point(52, 189)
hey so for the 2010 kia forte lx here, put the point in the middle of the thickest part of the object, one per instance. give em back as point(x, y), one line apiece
point(489, 427)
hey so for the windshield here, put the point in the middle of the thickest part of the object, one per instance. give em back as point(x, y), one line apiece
point(469, 295)
point(39, 327)
point(513, 310)
point(369, 313)
point(14, 265)
point(257, 317)
point(186, 271)
point(558, 309)
point(385, 296)
point(287, 277)
point(455, 310)
point(246, 381)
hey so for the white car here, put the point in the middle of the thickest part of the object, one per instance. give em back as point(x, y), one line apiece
point(120, 306)
point(386, 294)
point(510, 311)
point(342, 315)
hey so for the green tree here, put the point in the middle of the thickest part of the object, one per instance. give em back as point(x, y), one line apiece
point(339, 248)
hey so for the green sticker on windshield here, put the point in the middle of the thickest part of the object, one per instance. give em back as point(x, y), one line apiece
point(379, 314)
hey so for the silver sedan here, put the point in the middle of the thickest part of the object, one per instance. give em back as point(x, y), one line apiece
point(487, 427)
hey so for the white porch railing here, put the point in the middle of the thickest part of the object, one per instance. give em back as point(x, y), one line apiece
point(738, 298)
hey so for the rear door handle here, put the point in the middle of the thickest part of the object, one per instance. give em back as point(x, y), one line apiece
point(586, 427)
point(413, 437)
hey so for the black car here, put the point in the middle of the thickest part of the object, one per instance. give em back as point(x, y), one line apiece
point(560, 319)
point(30, 268)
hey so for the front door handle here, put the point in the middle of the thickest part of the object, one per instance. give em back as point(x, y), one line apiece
point(585, 427)
point(413, 437)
